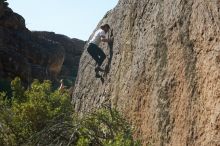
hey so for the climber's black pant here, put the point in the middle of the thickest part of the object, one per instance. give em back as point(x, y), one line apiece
point(97, 54)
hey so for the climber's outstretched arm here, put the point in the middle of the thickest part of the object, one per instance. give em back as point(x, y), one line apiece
point(104, 39)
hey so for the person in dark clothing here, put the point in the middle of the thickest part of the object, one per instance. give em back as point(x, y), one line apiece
point(94, 50)
point(97, 54)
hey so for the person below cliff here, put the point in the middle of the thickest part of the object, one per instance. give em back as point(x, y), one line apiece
point(95, 51)
point(62, 87)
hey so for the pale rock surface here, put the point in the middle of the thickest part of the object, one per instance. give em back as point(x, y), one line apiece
point(165, 71)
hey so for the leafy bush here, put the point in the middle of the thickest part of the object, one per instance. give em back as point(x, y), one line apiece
point(6, 135)
point(104, 127)
point(42, 116)
point(30, 110)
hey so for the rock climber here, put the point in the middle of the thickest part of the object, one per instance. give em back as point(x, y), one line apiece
point(95, 51)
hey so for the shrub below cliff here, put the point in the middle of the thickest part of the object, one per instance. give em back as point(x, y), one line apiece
point(41, 116)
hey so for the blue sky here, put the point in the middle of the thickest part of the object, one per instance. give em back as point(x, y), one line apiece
point(74, 18)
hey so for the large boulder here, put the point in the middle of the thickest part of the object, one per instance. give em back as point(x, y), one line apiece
point(164, 73)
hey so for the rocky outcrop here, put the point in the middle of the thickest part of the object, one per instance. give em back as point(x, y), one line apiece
point(164, 74)
point(32, 55)
point(73, 49)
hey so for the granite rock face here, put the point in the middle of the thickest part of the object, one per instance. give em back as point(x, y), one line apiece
point(165, 71)
point(32, 55)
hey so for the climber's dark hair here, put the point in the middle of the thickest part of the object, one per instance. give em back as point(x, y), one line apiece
point(105, 25)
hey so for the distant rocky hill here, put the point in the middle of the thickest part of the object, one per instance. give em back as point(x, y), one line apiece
point(164, 73)
point(29, 55)
point(73, 49)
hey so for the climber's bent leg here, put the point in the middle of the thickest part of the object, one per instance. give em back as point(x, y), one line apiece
point(93, 51)
point(97, 54)
point(101, 55)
